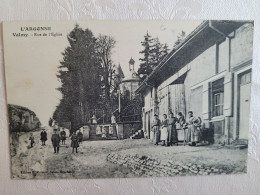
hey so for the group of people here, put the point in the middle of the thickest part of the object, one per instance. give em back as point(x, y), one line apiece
point(76, 139)
point(165, 130)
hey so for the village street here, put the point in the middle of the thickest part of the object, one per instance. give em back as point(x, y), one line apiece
point(121, 158)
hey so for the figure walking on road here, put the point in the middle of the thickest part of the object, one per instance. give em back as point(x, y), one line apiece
point(74, 142)
point(156, 129)
point(55, 138)
point(63, 136)
point(31, 138)
point(43, 137)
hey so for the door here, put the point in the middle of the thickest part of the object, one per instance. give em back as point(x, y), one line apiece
point(244, 105)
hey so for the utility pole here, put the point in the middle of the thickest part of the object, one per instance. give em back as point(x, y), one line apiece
point(119, 102)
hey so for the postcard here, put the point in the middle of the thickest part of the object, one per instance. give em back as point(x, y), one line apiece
point(125, 98)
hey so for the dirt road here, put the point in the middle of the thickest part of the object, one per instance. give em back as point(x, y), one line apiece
point(42, 163)
point(91, 162)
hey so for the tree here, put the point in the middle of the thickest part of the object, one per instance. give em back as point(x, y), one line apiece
point(153, 53)
point(146, 62)
point(158, 52)
point(180, 38)
point(79, 75)
point(105, 45)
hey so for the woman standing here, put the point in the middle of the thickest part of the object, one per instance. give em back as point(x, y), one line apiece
point(63, 136)
point(183, 126)
point(193, 131)
point(156, 129)
point(43, 137)
point(172, 131)
point(164, 130)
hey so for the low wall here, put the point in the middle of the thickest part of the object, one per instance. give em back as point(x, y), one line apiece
point(146, 166)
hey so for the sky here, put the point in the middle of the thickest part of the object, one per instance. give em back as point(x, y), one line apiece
point(31, 63)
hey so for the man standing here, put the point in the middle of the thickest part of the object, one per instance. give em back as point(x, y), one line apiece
point(74, 142)
point(43, 137)
point(55, 138)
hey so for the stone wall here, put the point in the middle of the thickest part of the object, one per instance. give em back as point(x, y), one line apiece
point(146, 166)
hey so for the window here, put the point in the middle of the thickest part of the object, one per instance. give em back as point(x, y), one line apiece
point(26, 119)
point(245, 78)
point(127, 94)
point(221, 56)
point(217, 97)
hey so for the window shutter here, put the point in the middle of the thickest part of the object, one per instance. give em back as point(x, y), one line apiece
point(228, 94)
point(205, 104)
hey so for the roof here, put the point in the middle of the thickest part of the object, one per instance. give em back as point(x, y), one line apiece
point(200, 39)
point(20, 109)
point(120, 71)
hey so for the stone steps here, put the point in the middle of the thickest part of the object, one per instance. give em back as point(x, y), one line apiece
point(138, 134)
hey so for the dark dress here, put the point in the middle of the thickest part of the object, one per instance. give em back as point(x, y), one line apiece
point(172, 131)
point(74, 141)
point(63, 135)
point(43, 136)
point(156, 130)
point(80, 135)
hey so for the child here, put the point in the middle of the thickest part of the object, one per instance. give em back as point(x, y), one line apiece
point(32, 140)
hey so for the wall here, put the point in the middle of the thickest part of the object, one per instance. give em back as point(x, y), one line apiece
point(241, 45)
point(135, 9)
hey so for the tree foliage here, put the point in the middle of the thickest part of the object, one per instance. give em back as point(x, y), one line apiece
point(85, 73)
point(153, 53)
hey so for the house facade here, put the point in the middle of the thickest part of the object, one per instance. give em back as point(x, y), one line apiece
point(22, 119)
point(209, 73)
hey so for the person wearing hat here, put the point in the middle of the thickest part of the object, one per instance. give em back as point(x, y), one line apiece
point(43, 137)
point(156, 129)
point(74, 142)
point(55, 139)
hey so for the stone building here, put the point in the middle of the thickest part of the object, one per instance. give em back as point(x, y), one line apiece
point(22, 119)
point(208, 73)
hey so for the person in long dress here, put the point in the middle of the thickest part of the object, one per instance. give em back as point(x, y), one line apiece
point(63, 136)
point(172, 131)
point(43, 137)
point(193, 130)
point(156, 129)
point(183, 126)
point(80, 135)
point(164, 130)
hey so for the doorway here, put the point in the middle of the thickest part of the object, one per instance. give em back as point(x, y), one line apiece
point(244, 104)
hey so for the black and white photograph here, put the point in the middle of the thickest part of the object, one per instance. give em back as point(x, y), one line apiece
point(128, 98)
